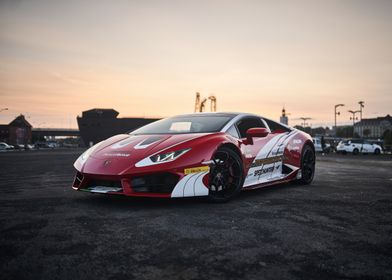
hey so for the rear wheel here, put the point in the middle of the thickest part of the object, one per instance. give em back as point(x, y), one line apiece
point(308, 165)
point(226, 176)
point(377, 151)
point(355, 151)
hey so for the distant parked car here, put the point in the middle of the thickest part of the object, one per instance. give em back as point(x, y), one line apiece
point(356, 146)
point(41, 145)
point(4, 146)
point(318, 147)
point(19, 147)
point(53, 144)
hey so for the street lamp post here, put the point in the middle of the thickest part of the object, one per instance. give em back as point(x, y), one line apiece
point(353, 117)
point(304, 121)
point(337, 113)
point(361, 105)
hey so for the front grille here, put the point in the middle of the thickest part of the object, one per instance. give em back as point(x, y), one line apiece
point(159, 183)
point(78, 180)
point(79, 177)
point(104, 186)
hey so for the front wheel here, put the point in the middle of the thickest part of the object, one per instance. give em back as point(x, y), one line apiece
point(226, 176)
point(308, 165)
point(377, 151)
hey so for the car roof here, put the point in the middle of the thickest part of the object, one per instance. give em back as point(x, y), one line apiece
point(235, 116)
point(209, 114)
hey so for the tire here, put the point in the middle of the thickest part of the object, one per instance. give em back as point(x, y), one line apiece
point(308, 165)
point(226, 176)
point(355, 151)
point(377, 151)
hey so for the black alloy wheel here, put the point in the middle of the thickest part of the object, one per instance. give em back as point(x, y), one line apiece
point(226, 176)
point(308, 165)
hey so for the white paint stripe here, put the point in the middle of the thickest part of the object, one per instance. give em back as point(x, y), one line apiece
point(278, 143)
point(267, 147)
point(140, 145)
point(178, 190)
point(274, 152)
point(272, 148)
point(191, 185)
point(264, 151)
point(281, 143)
point(188, 186)
point(199, 188)
point(287, 141)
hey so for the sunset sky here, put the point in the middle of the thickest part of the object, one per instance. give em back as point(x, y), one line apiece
point(148, 58)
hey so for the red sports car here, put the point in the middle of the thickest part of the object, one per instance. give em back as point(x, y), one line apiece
point(205, 154)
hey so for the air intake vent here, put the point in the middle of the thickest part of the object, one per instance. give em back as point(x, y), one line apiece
point(160, 183)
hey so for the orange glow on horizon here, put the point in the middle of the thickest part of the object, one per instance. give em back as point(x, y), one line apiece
point(58, 59)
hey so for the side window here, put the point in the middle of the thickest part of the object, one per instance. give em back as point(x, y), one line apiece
point(233, 131)
point(249, 122)
point(274, 126)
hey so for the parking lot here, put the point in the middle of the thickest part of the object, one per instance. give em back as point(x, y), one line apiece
point(338, 227)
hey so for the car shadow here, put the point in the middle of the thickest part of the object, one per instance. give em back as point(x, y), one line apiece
point(117, 201)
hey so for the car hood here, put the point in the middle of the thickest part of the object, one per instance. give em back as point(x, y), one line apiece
point(118, 154)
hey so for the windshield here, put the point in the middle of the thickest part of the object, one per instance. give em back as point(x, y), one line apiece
point(185, 124)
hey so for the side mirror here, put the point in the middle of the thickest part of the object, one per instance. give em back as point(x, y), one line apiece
point(255, 132)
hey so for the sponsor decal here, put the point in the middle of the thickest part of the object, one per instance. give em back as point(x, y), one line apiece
point(264, 171)
point(196, 170)
point(293, 147)
point(263, 161)
point(106, 162)
point(117, 154)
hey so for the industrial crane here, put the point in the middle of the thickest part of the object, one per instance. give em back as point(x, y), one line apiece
point(201, 104)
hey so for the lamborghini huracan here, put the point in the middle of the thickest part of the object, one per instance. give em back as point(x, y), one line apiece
point(216, 155)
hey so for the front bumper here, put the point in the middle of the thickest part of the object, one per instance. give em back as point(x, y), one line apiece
point(164, 185)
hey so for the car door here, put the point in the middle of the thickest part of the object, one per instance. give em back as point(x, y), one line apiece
point(367, 147)
point(255, 153)
point(359, 145)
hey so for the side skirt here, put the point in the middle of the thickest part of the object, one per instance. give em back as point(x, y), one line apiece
point(290, 177)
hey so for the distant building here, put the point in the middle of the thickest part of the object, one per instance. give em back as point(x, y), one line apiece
point(17, 132)
point(283, 118)
point(4, 133)
point(98, 124)
point(373, 128)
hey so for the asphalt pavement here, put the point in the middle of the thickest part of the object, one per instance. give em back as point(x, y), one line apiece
point(340, 227)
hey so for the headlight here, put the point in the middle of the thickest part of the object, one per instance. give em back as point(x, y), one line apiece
point(85, 155)
point(168, 156)
point(161, 158)
point(89, 151)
